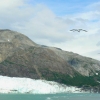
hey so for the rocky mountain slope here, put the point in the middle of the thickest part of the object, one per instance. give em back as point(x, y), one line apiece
point(10, 41)
point(84, 65)
point(21, 57)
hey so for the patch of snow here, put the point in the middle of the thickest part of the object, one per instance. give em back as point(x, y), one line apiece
point(96, 73)
point(27, 85)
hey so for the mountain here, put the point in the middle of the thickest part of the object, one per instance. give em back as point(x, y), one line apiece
point(21, 57)
point(10, 41)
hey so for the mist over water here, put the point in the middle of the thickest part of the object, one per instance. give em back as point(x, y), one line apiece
point(67, 96)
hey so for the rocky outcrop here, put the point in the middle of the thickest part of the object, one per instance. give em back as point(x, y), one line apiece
point(10, 41)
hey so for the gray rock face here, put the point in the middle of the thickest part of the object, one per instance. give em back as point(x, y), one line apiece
point(84, 65)
point(10, 41)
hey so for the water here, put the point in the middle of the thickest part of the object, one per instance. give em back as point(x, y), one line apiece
point(68, 96)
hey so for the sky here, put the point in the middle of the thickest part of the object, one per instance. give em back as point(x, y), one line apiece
point(48, 22)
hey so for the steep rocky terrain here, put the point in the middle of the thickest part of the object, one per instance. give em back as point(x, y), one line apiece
point(10, 41)
point(21, 57)
point(84, 65)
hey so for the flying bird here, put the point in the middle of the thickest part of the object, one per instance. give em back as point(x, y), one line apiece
point(78, 30)
point(73, 30)
point(82, 30)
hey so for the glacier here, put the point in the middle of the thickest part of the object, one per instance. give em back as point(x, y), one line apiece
point(32, 86)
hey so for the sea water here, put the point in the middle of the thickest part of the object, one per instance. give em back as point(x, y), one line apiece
point(65, 96)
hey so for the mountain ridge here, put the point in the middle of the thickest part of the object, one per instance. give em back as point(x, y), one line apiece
point(21, 57)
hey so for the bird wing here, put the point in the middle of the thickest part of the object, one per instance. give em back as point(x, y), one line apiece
point(85, 30)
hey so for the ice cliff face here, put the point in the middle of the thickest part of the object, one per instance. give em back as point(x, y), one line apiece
point(27, 85)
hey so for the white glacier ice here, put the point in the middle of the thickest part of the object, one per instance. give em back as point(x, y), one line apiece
point(27, 85)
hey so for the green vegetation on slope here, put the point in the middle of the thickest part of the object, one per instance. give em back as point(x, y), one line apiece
point(77, 80)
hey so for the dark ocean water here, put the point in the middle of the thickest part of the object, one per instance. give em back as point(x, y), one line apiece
point(67, 96)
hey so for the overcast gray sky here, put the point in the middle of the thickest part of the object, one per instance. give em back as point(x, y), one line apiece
point(48, 22)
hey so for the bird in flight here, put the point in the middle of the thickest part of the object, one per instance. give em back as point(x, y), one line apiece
point(78, 30)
